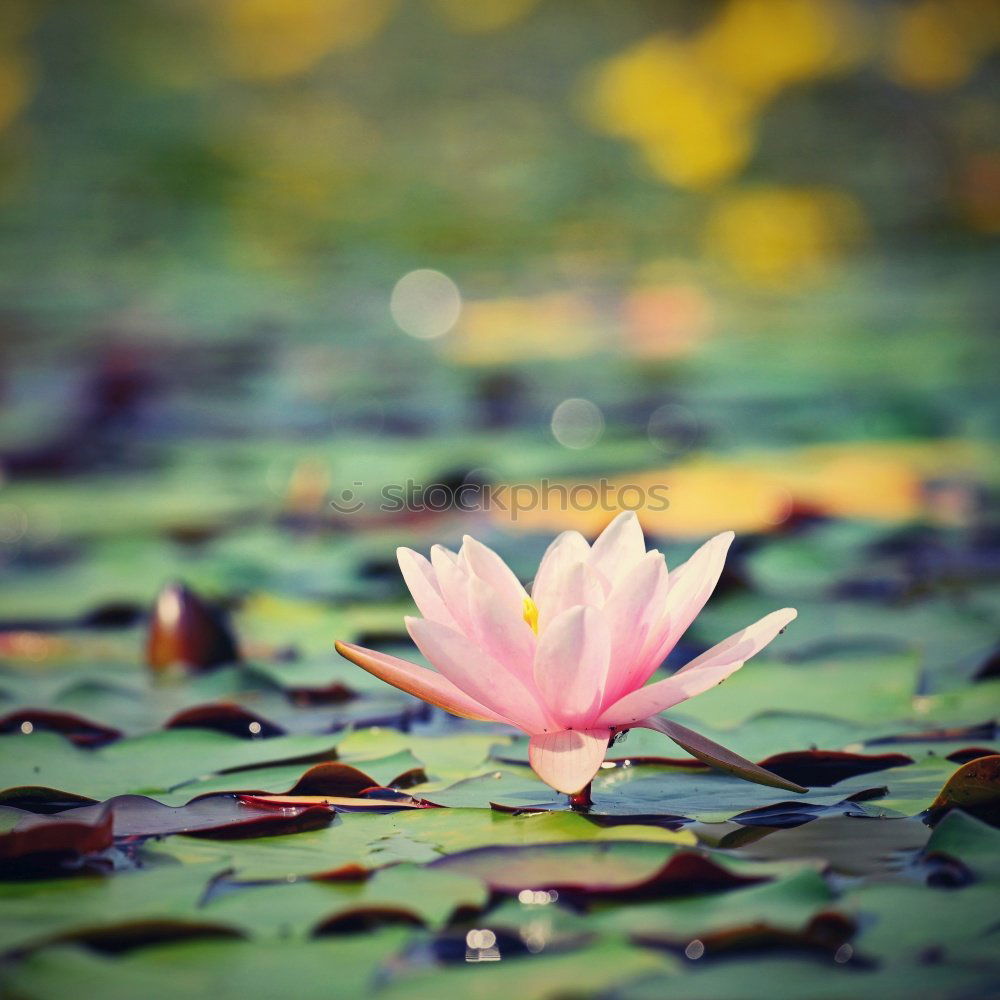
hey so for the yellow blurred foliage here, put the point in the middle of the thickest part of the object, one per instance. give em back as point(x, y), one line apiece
point(692, 128)
point(757, 492)
point(492, 331)
point(16, 86)
point(766, 45)
point(778, 238)
point(690, 105)
point(17, 71)
point(936, 44)
point(274, 39)
point(481, 16)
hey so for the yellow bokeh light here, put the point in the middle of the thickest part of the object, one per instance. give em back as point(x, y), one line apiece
point(757, 491)
point(779, 238)
point(273, 39)
point(693, 129)
point(690, 105)
point(560, 325)
point(701, 152)
point(765, 45)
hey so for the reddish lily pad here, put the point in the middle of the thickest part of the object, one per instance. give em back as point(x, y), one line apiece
point(399, 770)
point(224, 717)
point(219, 816)
point(964, 754)
point(826, 767)
point(41, 845)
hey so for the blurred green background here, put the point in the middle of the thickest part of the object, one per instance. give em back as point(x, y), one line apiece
point(258, 252)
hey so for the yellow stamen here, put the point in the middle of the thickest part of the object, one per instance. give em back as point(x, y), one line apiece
point(531, 614)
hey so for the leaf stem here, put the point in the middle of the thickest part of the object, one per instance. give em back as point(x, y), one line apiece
point(581, 800)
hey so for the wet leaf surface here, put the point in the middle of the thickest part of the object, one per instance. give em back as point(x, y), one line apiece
point(287, 817)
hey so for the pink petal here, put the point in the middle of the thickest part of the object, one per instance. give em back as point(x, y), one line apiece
point(418, 681)
point(700, 675)
point(689, 588)
point(569, 547)
point(619, 547)
point(440, 554)
point(568, 760)
point(488, 566)
point(658, 697)
point(631, 611)
point(501, 629)
point(572, 584)
point(422, 582)
point(453, 580)
point(745, 643)
point(571, 665)
point(479, 675)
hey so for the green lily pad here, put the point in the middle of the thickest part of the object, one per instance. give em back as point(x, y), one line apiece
point(786, 903)
point(143, 765)
point(280, 779)
point(602, 871)
point(592, 970)
point(354, 966)
point(421, 835)
point(792, 978)
point(35, 912)
point(359, 840)
point(302, 907)
point(905, 922)
point(227, 969)
point(972, 841)
point(865, 690)
point(850, 845)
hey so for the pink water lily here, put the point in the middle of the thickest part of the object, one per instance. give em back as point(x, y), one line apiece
point(568, 664)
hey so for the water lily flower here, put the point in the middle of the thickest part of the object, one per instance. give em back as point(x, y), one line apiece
point(569, 663)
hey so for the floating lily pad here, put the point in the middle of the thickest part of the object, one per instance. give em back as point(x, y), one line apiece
point(37, 912)
point(586, 873)
point(786, 903)
point(308, 907)
point(144, 764)
point(235, 969)
point(222, 816)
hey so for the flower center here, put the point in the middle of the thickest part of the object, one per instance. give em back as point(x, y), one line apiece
point(531, 614)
